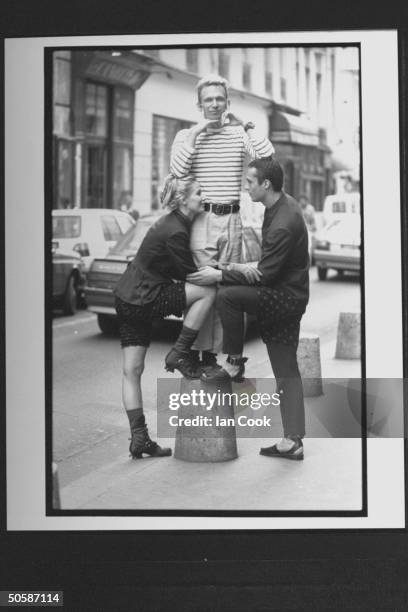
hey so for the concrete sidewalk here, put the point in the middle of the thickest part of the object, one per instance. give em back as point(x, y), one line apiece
point(329, 478)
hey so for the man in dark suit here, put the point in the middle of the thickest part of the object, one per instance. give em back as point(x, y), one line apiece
point(276, 289)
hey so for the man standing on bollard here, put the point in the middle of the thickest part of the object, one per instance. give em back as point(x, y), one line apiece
point(214, 152)
point(276, 289)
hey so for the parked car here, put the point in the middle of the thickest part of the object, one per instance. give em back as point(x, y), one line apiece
point(105, 272)
point(340, 205)
point(91, 232)
point(67, 279)
point(337, 246)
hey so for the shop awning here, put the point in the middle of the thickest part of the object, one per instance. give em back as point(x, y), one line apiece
point(117, 67)
point(293, 128)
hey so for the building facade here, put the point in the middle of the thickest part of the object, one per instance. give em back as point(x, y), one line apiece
point(116, 114)
point(93, 126)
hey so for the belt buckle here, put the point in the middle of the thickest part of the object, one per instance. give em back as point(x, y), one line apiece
point(217, 209)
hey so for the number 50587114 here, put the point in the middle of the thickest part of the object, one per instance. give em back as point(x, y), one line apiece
point(39, 598)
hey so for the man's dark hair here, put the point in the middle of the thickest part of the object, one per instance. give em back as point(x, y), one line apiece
point(268, 168)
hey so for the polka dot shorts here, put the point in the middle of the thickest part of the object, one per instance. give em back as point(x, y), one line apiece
point(279, 315)
point(135, 322)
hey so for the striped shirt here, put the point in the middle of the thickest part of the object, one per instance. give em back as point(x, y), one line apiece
point(217, 161)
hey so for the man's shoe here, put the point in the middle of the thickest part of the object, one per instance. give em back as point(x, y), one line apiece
point(182, 362)
point(217, 374)
point(140, 443)
point(294, 454)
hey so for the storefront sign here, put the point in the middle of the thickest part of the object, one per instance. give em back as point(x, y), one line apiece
point(296, 137)
point(105, 70)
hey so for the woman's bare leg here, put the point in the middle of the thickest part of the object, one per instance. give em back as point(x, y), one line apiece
point(133, 366)
point(199, 302)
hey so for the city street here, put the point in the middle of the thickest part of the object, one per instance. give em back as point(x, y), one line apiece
point(90, 428)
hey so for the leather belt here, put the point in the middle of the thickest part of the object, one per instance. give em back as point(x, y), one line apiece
point(222, 209)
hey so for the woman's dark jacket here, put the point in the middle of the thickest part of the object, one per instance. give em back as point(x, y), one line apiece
point(164, 255)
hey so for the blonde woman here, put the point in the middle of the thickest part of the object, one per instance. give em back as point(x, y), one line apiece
point(154, 285)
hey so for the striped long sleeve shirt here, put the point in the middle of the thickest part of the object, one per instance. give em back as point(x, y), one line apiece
point(217, 160)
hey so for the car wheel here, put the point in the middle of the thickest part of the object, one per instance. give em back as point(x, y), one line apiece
point(69, 304)
point(321, 273)
point(108, 324)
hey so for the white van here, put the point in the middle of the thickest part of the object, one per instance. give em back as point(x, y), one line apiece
point(340, 204)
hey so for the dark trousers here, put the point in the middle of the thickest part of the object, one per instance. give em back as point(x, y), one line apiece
point(232, 302)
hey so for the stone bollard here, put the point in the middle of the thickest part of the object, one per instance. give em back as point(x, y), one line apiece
point(56, 500)
point(308, 356)
point(208, 441)
point(349, 336)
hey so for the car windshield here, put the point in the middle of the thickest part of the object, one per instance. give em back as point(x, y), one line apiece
point(346, 228)
point(131, 241)
point(68, 226)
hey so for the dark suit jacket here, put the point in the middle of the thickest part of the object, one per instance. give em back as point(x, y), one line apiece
point(164, 255)
point(284, 261)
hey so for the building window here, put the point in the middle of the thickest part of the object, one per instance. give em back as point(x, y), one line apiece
point(282, 72)
point(297, 70)
point(95, 175)
point(164, 131)
point(224, 63)
point(64, 174)
point(122, 144)
point(319, 92)
point(318, 60)
point(192, 60)
point(246, 71)
point(213, 59)
point(307, 76)
point(268, 71)
point(63, 146)
point(62, 94)
point(283, 88)
point(123, 114)
point(96, 110)
point(268, 83)
point(108, 145)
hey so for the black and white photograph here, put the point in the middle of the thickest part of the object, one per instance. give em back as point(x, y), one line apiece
point(208, 236)
point(174, 161)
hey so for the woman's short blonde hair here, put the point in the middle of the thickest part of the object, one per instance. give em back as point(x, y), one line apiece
point(175, 190)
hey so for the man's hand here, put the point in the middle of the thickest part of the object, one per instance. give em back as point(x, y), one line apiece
point(205, 276)
point(235, 120)
point(201, 127)
point(250, 271)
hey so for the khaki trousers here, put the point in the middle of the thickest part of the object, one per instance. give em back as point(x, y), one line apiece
point(216, 240)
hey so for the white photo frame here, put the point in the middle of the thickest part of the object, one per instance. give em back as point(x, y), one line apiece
point(24, 110)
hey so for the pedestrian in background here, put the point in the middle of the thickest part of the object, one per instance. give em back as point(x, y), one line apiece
point(153, 285)
point(214, 151)
point(308, 211)
point(126, 204)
